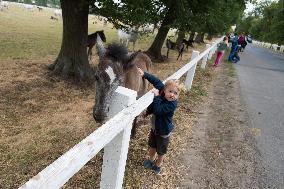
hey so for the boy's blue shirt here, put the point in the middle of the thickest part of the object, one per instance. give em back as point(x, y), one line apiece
point(162, 108)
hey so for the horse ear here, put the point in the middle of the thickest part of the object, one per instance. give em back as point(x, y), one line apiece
point(100, 47)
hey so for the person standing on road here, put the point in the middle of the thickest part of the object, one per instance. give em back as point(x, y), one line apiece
point(221, 50)
point(234, 47)
point(162, 108)
point(242, 42)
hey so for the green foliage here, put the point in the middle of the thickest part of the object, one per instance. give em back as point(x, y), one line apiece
point(203, 16)
point(130, 13)
point(223, 14)
point(41, 2)
point(266, 23)
point(200, 15)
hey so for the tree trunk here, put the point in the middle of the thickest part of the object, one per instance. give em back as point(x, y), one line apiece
point(155, 50)
point(72, 59)
point(200, 37)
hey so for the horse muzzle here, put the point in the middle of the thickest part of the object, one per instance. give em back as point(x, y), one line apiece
point(100, 118)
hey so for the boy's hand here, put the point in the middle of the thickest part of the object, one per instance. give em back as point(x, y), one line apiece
point(156, 92)
point(141, 72)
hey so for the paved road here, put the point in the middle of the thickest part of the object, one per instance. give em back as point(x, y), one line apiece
point(261, 75)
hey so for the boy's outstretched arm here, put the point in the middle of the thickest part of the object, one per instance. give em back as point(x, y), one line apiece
point(156, 82)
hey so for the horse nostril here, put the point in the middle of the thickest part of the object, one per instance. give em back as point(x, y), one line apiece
point(108, 109)
point(98, 119)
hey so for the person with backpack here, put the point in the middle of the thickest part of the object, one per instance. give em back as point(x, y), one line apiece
point(234, 47)
point(221, 47)
point(242, 42)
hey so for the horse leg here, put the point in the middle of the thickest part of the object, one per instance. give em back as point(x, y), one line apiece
point(178, 55)
point(133, 130)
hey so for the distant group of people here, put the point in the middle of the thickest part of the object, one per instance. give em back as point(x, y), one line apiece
point(233, 56)
point(221, 47)
point(238, 44)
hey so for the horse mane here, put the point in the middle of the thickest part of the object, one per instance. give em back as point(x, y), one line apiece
point(117, 52)
point(129, 63)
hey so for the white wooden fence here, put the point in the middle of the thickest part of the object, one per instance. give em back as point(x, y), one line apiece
point(113, 136)
point(274, 47)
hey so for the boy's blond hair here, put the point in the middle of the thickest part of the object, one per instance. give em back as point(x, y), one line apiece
point(173, 83)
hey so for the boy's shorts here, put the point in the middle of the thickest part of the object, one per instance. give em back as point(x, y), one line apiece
point(158, 142)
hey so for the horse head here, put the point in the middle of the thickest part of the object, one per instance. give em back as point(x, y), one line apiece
point(102, 35)
point(108, 76)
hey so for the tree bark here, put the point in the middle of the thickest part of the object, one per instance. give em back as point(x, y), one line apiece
point(155, 50)
point(72, 60)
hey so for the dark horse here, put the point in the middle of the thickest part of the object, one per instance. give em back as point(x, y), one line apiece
point(188, 42)
point(92, 38)
point(180, 47)
point(172, 46)
point(117, 68)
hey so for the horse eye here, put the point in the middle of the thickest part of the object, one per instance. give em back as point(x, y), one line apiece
point(96, 77)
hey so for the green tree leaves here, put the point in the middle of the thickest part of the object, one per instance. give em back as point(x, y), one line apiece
point(266, 23)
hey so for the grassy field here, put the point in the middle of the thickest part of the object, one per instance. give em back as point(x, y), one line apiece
point(28, 34)
point(42, 116)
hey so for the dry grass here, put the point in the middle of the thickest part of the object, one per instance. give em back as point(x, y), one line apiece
point(42, 116)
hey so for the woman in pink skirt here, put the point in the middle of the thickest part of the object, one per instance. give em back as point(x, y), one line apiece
point(221, 50)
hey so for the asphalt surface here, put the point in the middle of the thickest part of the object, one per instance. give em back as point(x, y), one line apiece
point(261, 76)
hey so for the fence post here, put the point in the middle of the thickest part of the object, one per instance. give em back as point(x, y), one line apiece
point(205, 58)
point(282, 48)
point(115, 152)
point(211, 52)
point(191, 71)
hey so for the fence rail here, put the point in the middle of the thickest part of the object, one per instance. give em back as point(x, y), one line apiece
point(113, 136)
point(275, 47)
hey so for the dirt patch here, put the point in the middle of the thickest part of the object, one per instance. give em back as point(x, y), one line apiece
point(221, 152)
